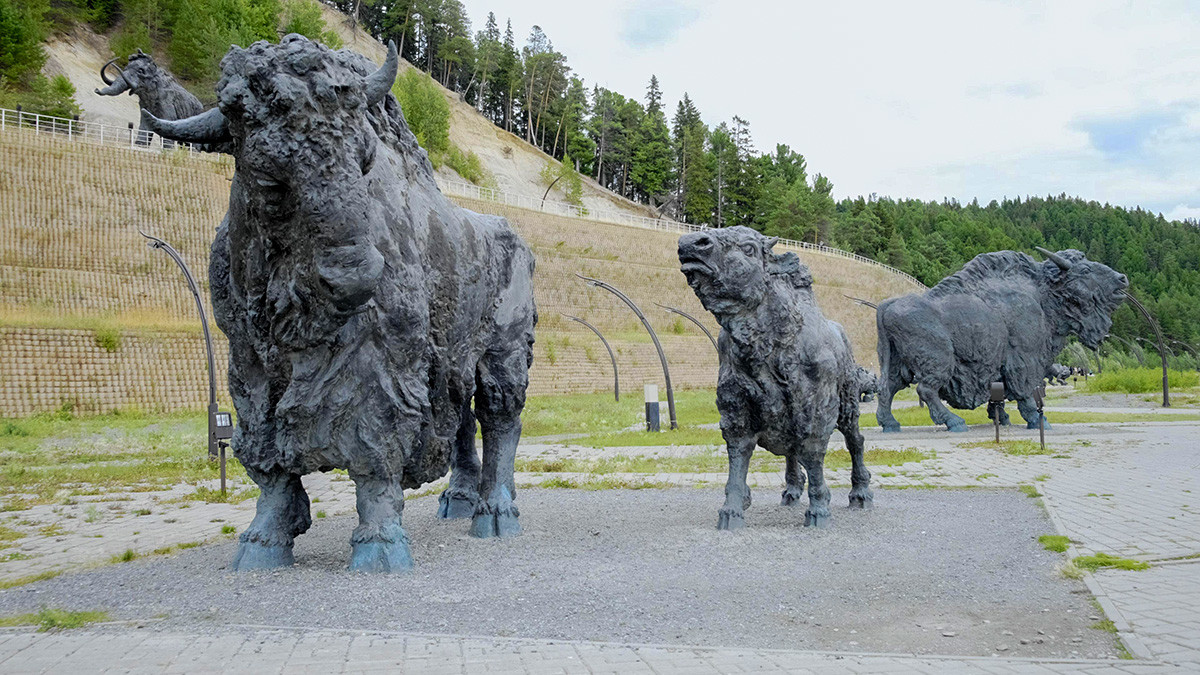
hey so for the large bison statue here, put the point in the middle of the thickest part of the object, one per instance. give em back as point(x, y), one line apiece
point(787, 375)
point(157, 90)
point(364, 311)
point(1003, 317)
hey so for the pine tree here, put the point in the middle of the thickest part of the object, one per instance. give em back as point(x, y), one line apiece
point(651, 170)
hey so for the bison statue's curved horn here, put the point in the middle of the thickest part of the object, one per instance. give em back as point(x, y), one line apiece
point(1058, 260)
point(207, 127)
point(379, 83)
point(104, 71)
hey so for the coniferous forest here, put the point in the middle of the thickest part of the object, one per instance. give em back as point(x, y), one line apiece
point(629, 142)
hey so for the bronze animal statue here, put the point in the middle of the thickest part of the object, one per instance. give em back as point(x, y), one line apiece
point(365, 312)
point(1003, 317)
point(787, 375)
point(157, 90)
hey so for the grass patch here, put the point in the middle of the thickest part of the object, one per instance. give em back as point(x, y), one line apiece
point(1101, 560)
point(320, 514)
point(1042, 477)
point(128, 556)
point(1105, 625)
point(599, 413)
point(32, 578)
point(715, 462)
point(593, 483)
point(1029, 491)
point(1070, 570)
point(214, 496)
point(48, 618)
point(1019, 448)
point(1139, 380)
point(228, 529)
point(1054, 542)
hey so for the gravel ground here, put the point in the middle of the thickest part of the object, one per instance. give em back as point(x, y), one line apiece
point(926, 571)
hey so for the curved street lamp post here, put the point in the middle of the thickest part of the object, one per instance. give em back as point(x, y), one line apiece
point(694, 320)
point(616, 377)
point(220, 424)
point(1161, 347)
point(662, 357)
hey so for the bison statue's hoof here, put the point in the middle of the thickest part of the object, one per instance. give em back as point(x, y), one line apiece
point(792, 496)
point(817, 519)
point(381, 556)
point(252, 555)
point(728, 519)
point(891, 428)
point(454, 504)
point(861, 499)
point(497, 517)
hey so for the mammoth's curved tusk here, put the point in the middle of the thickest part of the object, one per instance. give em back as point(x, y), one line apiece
point(104, 71)
point(379, 83)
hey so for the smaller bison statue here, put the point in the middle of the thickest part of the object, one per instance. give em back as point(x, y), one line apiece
point(157, 90)
point(1003, 317)
point(787, 375)
point(371, 321)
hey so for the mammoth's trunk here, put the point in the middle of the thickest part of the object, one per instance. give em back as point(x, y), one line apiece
point(118, 86)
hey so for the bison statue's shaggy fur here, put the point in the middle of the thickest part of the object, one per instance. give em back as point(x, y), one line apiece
point(364, 311)
point(1003, 317)
point(787, 375)
point(157, 90)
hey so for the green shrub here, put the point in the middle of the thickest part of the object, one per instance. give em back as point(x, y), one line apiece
point(426, 111)
point(469, 166)
point(108, 339)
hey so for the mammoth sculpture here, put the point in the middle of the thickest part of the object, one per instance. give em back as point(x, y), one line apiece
point(787, 376)
point(365, 312)
point(157, 90)
point(1003, 317)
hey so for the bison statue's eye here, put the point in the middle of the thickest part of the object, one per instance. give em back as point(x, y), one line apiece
point(750, 250)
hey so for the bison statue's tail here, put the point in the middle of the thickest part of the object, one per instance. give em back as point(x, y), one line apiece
point(883, 347)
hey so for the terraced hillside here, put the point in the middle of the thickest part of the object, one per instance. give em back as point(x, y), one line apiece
point(92, 318)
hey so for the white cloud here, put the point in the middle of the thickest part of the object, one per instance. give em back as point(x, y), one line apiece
point(960, 98)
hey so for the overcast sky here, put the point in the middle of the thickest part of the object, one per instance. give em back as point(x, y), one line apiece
point(963, 98)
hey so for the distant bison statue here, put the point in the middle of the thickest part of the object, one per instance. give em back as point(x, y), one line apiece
point(1057, 373)
point(157, 90)
point(1003, 317)
point(364, 310)
point(787, 376)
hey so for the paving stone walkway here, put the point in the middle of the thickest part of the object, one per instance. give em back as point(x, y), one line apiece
point(1131, 490)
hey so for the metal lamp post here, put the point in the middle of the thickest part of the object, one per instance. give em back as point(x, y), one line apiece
point(694, 320)
point(616, 377)
point(662, 357)
point(1161, 347)
point(220, 424)
point(1133, 349)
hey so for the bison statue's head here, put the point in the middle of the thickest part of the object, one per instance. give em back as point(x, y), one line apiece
point(297, 116)
point(140, 73)
point(1086, 293)
point(732, 269)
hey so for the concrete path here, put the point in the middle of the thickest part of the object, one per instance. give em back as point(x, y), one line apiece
point(1131, 490)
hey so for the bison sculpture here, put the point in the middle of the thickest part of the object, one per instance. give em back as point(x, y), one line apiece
point(787, 375)
point(157, 90)
point(1003, 317)
point(365, 312)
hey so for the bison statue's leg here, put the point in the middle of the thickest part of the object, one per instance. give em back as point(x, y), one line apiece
point(861, 496)
point(812, 455)
point(462, 495)
point(737, 491)
point(379, 543)
point(280, 515)
point(793, 475)
point(938, 412)
point(883, 405)
point(1028, 409)
point(502, 379)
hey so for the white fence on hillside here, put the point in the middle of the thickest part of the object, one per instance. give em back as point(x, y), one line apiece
point(136, 139)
